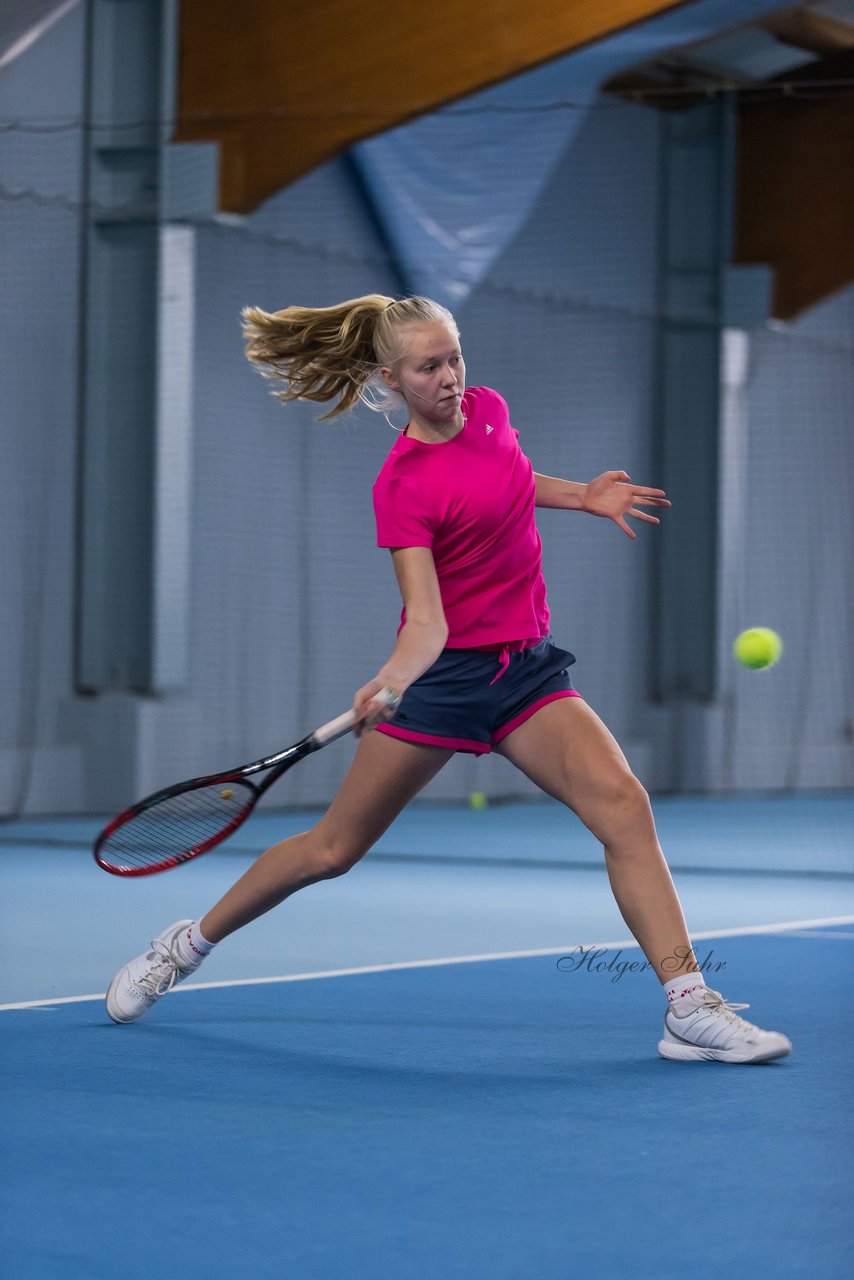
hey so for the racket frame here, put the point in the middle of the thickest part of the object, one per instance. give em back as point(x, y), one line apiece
point(279, 763)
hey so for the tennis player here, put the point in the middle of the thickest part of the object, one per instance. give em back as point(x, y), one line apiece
point(474, 668)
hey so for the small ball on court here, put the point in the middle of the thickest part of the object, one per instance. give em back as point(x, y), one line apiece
point(757, 648)
point(478, 800)
point(227, 794)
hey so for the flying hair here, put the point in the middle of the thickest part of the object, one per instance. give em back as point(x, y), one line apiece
point(336, 353)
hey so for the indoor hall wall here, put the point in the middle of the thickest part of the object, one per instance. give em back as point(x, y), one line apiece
point(40, 759)
point(294, 605)
point(576, 358)
point(793, 726)
point(786, 512)
point(565, 328)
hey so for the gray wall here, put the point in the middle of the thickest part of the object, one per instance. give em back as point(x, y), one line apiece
point(39, 760)
point(292, 606)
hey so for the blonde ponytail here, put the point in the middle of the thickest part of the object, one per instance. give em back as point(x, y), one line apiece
point(334, 353)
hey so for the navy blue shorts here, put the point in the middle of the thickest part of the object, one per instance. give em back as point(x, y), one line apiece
point(470, 699)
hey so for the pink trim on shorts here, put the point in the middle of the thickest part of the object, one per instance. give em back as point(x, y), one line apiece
point(428, 740)
point(507, 729)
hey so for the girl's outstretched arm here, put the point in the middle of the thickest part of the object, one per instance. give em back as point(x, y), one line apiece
point(612, 495)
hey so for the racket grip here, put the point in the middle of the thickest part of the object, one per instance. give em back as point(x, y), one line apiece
point(343, 724)
point(334, 729)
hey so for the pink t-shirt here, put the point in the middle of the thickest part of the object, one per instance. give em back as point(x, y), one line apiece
point(471, 500)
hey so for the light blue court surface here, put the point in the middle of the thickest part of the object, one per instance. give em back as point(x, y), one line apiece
point(501, 1117)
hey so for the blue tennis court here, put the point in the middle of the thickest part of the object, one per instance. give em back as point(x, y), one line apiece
point(416, 1071)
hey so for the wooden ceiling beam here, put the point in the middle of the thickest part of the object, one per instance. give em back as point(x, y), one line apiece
point(795, 186)
point(284, 86)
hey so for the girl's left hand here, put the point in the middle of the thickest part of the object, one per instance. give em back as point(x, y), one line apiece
point(613, 495)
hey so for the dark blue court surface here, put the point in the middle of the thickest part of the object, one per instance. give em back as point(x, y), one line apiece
point(503, 1120)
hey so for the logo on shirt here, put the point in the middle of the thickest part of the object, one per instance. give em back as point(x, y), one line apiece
point(488, 429)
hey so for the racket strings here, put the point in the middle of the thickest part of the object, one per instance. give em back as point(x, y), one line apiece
point(177, 826)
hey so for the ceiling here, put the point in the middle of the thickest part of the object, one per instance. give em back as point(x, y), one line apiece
point(289, 86)
point(809, 41)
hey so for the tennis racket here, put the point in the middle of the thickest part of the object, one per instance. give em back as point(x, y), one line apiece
point(187, 819)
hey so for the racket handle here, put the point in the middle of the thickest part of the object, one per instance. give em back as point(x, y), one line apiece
point(343, 724)
point(334, 729)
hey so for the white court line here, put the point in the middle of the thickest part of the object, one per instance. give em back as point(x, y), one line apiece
point(818, 933)
point(623, 943)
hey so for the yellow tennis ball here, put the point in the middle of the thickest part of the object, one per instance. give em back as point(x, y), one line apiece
point(477, 800)
point(227, 794)
point(757, 648)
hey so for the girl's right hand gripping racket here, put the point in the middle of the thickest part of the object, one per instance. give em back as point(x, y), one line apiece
point(187, 819)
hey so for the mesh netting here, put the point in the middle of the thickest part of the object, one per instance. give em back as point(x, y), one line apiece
point(289, 605)
point(176, 828)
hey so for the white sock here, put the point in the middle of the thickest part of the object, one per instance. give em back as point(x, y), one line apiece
point(193, 946)
point(676, 988)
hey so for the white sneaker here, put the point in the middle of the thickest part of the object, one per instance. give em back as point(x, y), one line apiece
point(140, 984)
point(711, 1031)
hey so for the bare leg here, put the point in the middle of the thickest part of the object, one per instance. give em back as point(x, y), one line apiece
point(567, 751)
point(385, 775)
